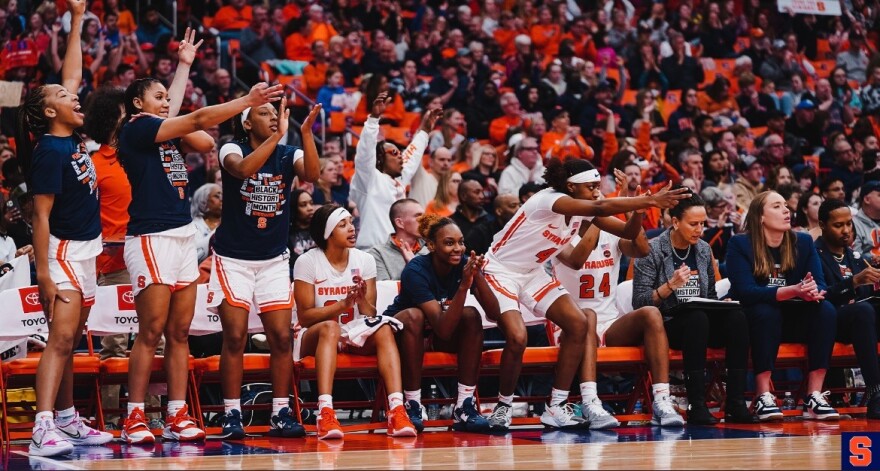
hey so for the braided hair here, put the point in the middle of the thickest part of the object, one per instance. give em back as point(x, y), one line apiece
point(31, 121)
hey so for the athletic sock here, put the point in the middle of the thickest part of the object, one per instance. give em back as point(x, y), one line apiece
point(588, 391)
point(505, 399)
point(135, 405)
point(464, 392)
point(661, 390)
point(279, 403)
point(325, 400)
point(66, 416)
point(394, 400)
point(174, 407)
point(413, 395)
point(230, 404)
point(557, 397)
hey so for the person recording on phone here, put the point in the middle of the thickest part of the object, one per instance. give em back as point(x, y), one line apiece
point(849, 278)
point(722, 222)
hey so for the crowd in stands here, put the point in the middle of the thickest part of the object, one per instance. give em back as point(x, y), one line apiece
point(475, 99)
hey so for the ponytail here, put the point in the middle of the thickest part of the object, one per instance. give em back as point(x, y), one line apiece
point(30, 120)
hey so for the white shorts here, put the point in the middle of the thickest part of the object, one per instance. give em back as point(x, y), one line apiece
point(164, 258)
point(298, 334)
point(73, 266)
point(246, 283)
point(536, 290)
point(602, 326)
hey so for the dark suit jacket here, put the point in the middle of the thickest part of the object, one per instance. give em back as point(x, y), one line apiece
point(841, 291)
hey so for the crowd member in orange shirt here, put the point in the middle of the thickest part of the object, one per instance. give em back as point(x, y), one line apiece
point(319, 28)
point(512, 118)
point(395, 110)
point(233, 17)
point(125, 20)
point(546, 34)
point(582, 40)
point(506, 31)
point(563, 140)
point(315, 74)
point(296, 45)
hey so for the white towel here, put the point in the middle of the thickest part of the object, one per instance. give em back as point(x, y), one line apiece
point(359, 330)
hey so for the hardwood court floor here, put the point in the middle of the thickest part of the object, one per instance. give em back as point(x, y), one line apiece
point(794, 444)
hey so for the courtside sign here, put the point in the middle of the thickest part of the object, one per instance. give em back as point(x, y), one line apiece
point(860, 450)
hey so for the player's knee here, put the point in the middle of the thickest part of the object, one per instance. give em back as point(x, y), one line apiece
point(151, 334)
point(234, 341)
point(328, 330)
point(471, 319)
point(651, 317)
point(517, 341)
point(413, 320)
point(178, 335)
point(279, 342)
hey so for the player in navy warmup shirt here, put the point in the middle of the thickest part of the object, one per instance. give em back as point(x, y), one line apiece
point(250, 264)
point(67, 240)
point(433, 289)
point(160, 251)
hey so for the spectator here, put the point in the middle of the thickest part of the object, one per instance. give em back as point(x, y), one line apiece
point(525, 167)
point(484, 169)
point(806, 216)
point(772, 155)
point(233, 17)
point(321, 29)
point(327, 188)
point(450, 85)
point(768, 265)
point(754, 106)
point(383, 60)
point(151, 30)
point(564, 140)
point(867, 230)
point(481, 235)
point(718, 103)
point(300, 241)
point(682, 119)
point(470, 211)
point(410, 87)
point(854, 60)
point(332, 94)
point(315, 73)
point(546, 33)
point(445, 201)
point(260, 42)
point(425, 181)
point(691, 163)
point(509, 123)
point(207, 203)
point(404, 244)
point(748, 185)
point(376, 84)
point(382, 173)
point(451, 134)
point(722, 222)
point(847, 166)
point(807, 126)
point(717, 37)
point(837, 115)
point(870, 94)
point(680, 69)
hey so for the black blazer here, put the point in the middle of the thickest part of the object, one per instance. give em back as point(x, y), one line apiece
point(841, 291)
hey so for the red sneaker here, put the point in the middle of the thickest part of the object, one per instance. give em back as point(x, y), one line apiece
point(135, 430)
point(399, 424)
point(181, 427)
point(328, 425)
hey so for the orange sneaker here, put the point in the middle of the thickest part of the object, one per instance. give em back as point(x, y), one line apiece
point(181, 427)
point(399, 424)
point(328, 425)
point(135, 430)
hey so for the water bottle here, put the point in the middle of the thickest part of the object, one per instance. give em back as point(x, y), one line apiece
point(433, 408)
point(788, 402)
point(637, 409)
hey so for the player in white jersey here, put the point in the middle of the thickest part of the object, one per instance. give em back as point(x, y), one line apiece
point(594, 286)
point(515, 272)
point(335, 293)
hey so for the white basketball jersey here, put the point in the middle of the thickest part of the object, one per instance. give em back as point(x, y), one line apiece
point(595, 285)
point(534, 235)
point(332, 286)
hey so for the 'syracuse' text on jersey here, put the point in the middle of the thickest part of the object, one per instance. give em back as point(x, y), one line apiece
point(256, 210)
point(332, 286)
point(62, 167)
point(533, 235)
point(158, 177)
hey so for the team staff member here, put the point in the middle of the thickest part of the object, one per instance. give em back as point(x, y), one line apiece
point(250, 255)
point(160, 244)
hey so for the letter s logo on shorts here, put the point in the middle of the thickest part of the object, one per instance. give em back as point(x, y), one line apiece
point(30, 300)
point(124, 298)
point(142, 282)
point(210, 297)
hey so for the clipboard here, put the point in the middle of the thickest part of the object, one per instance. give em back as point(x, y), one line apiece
point(705, 304)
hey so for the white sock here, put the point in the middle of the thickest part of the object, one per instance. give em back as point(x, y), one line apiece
point(230, 404)
point(394, 400)
point(174, 407)
point(588, 391)
point(505, 399)
point(45, 415)
point(661, 390)
point(279, 403)
point(66, 416)
point(135, 405)
point(557, 397)
point(325, 400)
point(464, 392)
point(413, 395)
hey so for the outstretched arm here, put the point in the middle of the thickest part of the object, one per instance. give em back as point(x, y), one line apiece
point(309, 168)
point(412, 155)
point(71, 69)
point(665, 198)
point(186, 54)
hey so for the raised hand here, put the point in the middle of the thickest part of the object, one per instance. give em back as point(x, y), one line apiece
point(429, 119)
point(379, 105)
point(77, 8)
point(668, 198)
point(680, 277)
point(470, 269)
point(186, 50)
point(262, 93)
point(284, 119)
point(310, 119)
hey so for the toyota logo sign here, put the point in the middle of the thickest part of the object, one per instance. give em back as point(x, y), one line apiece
point(33, 299)
point(124, 298)
point(30, 300)
point(128, 297)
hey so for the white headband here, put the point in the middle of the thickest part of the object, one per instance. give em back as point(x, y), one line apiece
point(244, 115)
point(338, 215)
point(590, 176)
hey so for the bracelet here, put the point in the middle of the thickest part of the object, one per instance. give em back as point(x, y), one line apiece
point(658, 294)
point(669, 286)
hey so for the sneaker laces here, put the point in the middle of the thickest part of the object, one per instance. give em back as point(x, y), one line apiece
point(567, 410)
point(328, 418)
point(286, 419)
point(399, 419)
point(664, 405)
point(767, 399)
point(500, 413)
point(182, 419)
point(595, 407)
point(136, 420)
point(820, 398)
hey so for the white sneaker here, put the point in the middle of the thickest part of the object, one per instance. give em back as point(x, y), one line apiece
point(78, 432)
point(46, 441)
point(665, 414)
point(501, 417)
point(816, 407)
point(766, 408)
point(597, 416)
point(561, 416)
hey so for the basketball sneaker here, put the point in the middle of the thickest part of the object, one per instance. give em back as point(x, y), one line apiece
point(468, 419)
point(501, 417)
point(181, 427)
point(285, 425)
point(327, 424)
point(416, 414)
point(46, 441)
point(597, 416)
point(817, 407)
point(78, 432)
point(135, 430)
point(766, 408)
point(665, 414)
point(232, 427)
point(561, 416)
point(399, 424)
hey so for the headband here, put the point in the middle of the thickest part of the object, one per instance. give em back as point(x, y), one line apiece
point(244, 115)
point(589, 176)
point(337, 215)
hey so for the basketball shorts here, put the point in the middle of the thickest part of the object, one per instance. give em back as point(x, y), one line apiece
point(535, 291)
point(163, 258)
point(73, 266)
point(245, 283)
